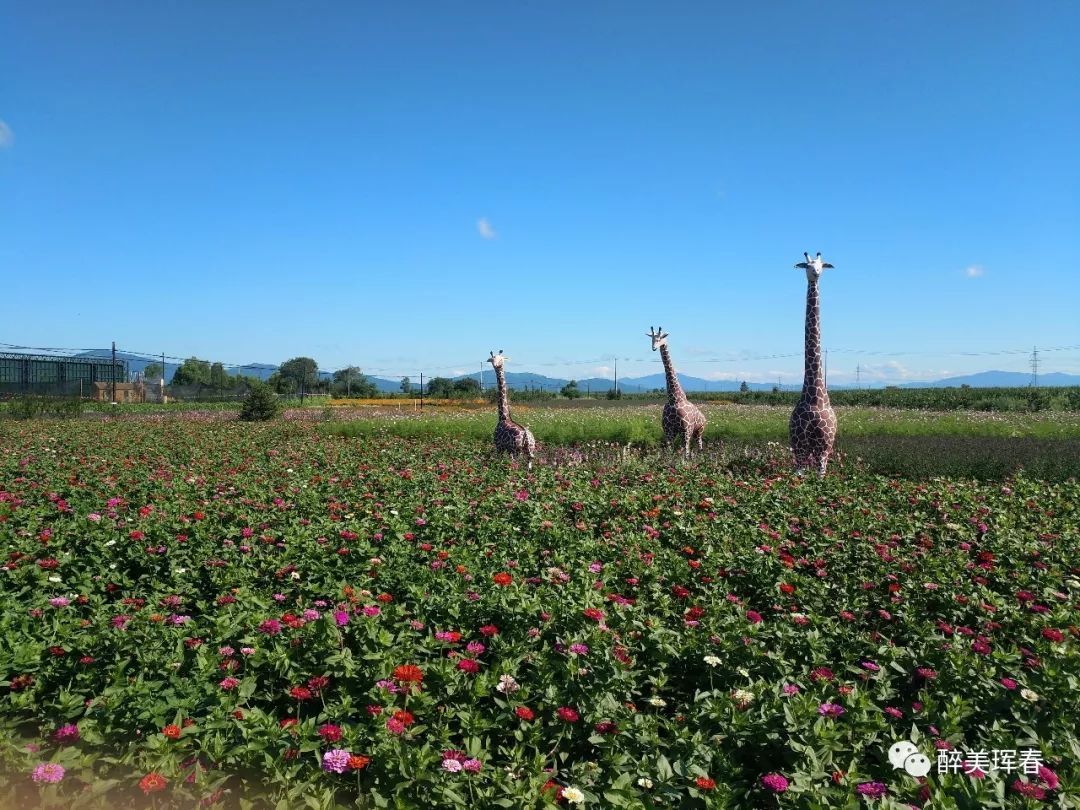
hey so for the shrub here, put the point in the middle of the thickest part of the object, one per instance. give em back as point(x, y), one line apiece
point(261, 404)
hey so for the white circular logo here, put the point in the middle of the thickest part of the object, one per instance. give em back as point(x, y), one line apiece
point(906, 755)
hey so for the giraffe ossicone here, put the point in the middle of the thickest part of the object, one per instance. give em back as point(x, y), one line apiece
point(510, 437)
point(681, 417)
point(813, 422)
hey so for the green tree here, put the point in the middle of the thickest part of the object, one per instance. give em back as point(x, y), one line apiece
point(351, 382)
point(406, 385)
point(152, 372)
point(303, 371)
point(192, 371)
point(743, 388)
point(440, 388)
point(467, 386)
point(281, 384)
point(219, 378)
point(260, 404)
point(571, 390)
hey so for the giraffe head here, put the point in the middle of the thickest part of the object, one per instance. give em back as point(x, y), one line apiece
point(813, 267)
point(659, 337)
point(497, 360)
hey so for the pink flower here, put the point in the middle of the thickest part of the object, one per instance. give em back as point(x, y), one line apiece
point(451, 765)
point(1008, 683)
point(336, 761)
point(341, 618)
point(372, 610)
point(48, 772)
point(229, 683)
point(775, 782)
point(791, 689)
point(830, 710)
point(872, 790)
point(472, 765)
point(65, 735)
point(753, 617)
point(395, 726)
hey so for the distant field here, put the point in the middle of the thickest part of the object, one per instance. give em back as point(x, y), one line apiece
point(892, 441)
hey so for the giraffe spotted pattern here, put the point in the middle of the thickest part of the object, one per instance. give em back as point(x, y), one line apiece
point(813, 422)
point(510, 437)
point(681, 417)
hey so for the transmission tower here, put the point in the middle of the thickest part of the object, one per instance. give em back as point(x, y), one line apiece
point(1034, 367)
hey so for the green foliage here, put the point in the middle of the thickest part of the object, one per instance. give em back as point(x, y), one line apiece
point(406, 385)
point(571, 390)
point(192, 371)
point(153, 372)
point(667, 603)
point(351, 382)
point(42, 407)
point(303, 372)
point(260, 404)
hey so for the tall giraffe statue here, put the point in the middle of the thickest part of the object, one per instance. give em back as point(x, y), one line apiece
point(681, 416)
point(510, 437)
point(813, 422)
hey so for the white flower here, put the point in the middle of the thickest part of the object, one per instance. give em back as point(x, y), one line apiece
point(712, 660)
point(742, 696)
point(296, 575)
point(1027, 694)
point(657, 701)
point(181, 570)
point(507, 684)
point(55, 578)
point(573, 795)
point(645, 782)
point(110, 542)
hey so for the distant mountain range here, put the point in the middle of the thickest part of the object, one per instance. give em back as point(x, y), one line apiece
point(524, 380)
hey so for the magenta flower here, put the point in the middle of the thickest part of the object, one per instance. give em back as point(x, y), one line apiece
point(472, 765)
point(59, 601)
point(48, 772)
point(336, 761)
point(1008, 683)
point(229, 683)
point(451, 765)
point(341, 618)
point(872, 790)
point(66, 735)
point(753, 617)
point(791, 689)
point(775, 782)
point(270, 627)
point(830, 710)
point(579, 649)
point(395, 726)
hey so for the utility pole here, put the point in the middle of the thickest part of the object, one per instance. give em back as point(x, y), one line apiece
point(858, 374)
point(421, 390)
point(1034, 367)
point(113, 375)
point(481, 377)
point(616, 376)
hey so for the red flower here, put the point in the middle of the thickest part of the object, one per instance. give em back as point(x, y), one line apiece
point(384, 598)
point(153, 782)
point(171, 731)
point(787, 588)
point(489, 630)
point(1052, 634)
point(502, 579)
point(330, 732)
point(468, 665)
point(300, 693)
point(357, 762)
point(568, 715)
point(705, 783)
point(408, 673)
point(524, 712)
point(405, 718)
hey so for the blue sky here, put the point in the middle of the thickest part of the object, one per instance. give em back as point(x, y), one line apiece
point(407, 186)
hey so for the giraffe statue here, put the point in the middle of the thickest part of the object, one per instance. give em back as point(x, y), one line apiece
point(813, 422)
point(680, 415)
point(510, 437)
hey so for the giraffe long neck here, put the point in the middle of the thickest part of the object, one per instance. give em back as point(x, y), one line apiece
point(503, 398)
point(813, 376)
point(671, 379)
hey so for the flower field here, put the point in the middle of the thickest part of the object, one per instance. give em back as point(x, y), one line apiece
point(216, 614)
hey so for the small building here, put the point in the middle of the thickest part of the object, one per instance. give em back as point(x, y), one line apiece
point(125, 392)
point(57, 375)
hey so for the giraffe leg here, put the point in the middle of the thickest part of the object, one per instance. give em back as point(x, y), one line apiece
point(823, 462)
point(686, 443)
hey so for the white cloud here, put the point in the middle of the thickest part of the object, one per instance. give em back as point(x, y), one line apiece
point(601, 371)
point(457, 372)
point(485, 229)
point(974, 271)
point(7, 137)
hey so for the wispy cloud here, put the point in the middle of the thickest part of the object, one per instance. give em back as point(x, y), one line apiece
point(7, 137)
point(600, 371)
point(485, 229)
point(974, 271)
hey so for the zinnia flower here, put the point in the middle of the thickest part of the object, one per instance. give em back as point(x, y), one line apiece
point(336, 760)
point(48, 772)
point(153, 782)
point(775, 782)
